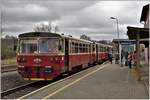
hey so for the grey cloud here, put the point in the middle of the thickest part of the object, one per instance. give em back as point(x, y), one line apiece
point(36, 11)
point(73, 17)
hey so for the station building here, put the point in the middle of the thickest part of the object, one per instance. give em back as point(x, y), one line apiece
point(141, 35)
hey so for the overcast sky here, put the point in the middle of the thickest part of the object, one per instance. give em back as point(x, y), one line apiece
point(73, 17)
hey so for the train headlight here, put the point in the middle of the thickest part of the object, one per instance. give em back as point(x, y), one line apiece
point(21, 66)
point(37, 60)
point(48, 69)
point(21, 59)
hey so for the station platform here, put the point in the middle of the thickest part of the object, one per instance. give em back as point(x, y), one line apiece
point(106, 81)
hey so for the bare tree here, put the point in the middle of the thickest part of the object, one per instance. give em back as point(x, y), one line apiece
point(56, 29)
point(41, 27)
point(85, 37)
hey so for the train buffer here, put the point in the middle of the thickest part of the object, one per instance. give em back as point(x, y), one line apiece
point(106, 81)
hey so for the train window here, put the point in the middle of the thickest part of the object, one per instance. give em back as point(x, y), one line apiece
point(76, 47)
point(86, 48)
point(61, 45)
point(80, 48)
point(89, 48)
point(70, 47)
point(104, 49)
point(49, 45)
point(73, 47)
point(28, 46)
point(83, 48)
point(93, 48)
point(101, 49)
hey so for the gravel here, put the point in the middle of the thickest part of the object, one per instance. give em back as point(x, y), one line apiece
point(12, 79)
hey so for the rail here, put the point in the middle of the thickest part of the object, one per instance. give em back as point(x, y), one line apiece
point(8, 68)
point(9, 91)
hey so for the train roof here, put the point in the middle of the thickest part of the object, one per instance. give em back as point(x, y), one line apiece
point(38, 34)
point(48, 34)
point(69, 37)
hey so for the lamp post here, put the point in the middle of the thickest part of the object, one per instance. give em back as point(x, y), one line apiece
point(117, 35)
point(1, 22)
point(117, 26)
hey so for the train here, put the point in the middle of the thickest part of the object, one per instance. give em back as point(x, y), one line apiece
point(46, 55)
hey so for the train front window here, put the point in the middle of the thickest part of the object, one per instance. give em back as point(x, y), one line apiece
point(49, 45)
point(28, 46)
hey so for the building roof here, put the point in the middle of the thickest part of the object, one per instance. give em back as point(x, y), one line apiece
point(145, 11)
point(143, 32)
point(133, 31)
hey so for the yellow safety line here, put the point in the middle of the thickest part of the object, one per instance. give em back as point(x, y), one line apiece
point(49, 85)
point(77, 80)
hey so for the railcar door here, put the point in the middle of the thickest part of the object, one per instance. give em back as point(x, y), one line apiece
point(66, 55)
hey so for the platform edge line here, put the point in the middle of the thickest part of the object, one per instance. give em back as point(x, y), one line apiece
point(77, 80)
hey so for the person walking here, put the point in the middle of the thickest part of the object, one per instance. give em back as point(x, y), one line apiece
point(130, 60)
point(126, 58)
point(122, 56)
point(110, 57)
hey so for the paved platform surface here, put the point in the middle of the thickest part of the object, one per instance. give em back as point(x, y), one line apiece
point(109, 81)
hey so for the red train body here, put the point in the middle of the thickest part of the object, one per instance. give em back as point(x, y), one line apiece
point(44, 56)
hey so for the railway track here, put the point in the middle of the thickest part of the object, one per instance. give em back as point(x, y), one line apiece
point(8, 68)
point(26, 88)
point(13, 90)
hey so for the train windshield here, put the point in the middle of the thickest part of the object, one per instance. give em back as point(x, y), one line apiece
point(28, 46)
point(40, 45)
point(48, 45)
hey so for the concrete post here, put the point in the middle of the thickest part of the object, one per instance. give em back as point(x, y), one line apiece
point(138, 55)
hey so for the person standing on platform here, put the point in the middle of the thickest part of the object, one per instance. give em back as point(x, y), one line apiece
point(110, 57)
point(130, 60)
point(126, 58)
point(122, 55)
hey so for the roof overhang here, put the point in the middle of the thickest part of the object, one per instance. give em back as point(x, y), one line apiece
point(143, 33)
point(133, 31)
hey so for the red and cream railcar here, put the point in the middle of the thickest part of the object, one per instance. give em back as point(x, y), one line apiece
point(43, 55)
point(80, 53)
point(40, 55)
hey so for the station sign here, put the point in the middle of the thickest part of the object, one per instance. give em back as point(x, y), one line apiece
point(127, 42)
